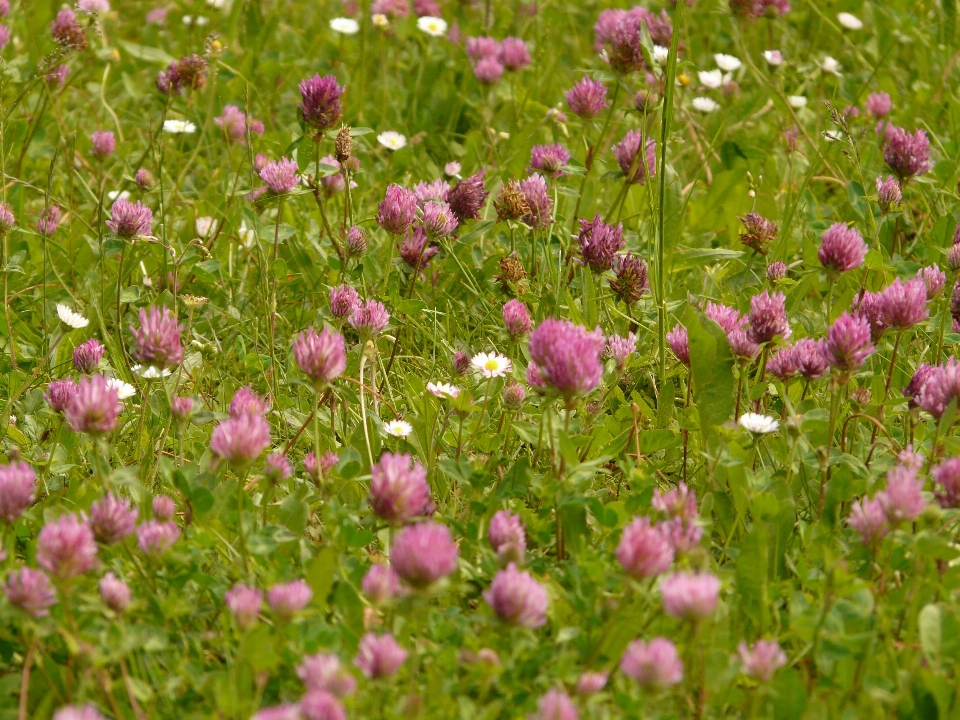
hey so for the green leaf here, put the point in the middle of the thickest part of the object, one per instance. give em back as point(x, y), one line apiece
point(855, 195)
point(791, 696)
point(653, 440)
point(711, 364)
point(320, 575)
point(929, 625)
point(130, 294)
point(148, 54)
point(259, 648)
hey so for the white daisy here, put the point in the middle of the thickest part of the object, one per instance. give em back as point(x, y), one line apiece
point(797, 101)
point(398, 428)
point(345, 26)
point(705, 104)
point(71, 318)
point(759, 424)
point(711, 78)
point(392, 140)
point(442, 389)
point(830, 65)
point(850, 22)
point(206, 226)
point(117, 195)
point(727, 63)
point(178, 127)
point(380, 21)
point(773, 57)
point(491, 365)
point(124, 390)
point(433, 26)
point(660, 54)
point(150, 372)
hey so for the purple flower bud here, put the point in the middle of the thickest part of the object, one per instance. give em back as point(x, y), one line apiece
point(633, 167)
point(163, 508)
point(762, 660)
point(679, 344)
point(690, 595)
point(30, 590)
point(102, 144)
point(287, 599)
point(281, 176)
point(869, 520)
point(567, 357)
point(369, 319)
point(878, 104)
point(768, 317)
point(728, 318)
point(934, 279)
point(643, 551)
point(343, 301)
point(277, 468)
point(130, 220)
point(947, 476)
point(155, 538)
point(888, 193)
point(145, 179)
point(398, 488)
point(320, 105)
point(588, 98)
point(18, 485)
point(516, 319)
point(507, 536)
point(810, 359)
point(548, 159)
point(321, 705)
point(907, 154)
point(941, 385)
point(439, 220)
point(86, 356)
point(324, 672)
point(246, 402)
point(776, 271)
point(905, 304)
point(7, 219)
point(356, 245)
point(49, 220)
point(398, 210)
point(467, 197)
point(620, 348)
point(322, 358)
point(60, 393)
point(244, 603)
point(240, 440)
point(871, 309)
point(488, 71)
point(848, 343)
point(67, 32)
point(901, 500)
point(758, 233)
point(590, 683)
point(415, 250)
point(631, 281)
point(112, 519)
point(517, 598)
point(537, 195)
point(233, 122)
point(482, 47)
point(842, 249)
point(424, 553)
point(94, 406)
point(599, 243)
point(782, 365)
point(181, 407)
point(286, 711)
point(66, 548)
point(380, 584)
point(157, 341)
point(114, 592)
point(513, 54)
point(555, 705)
point(742, 345)
point(461, 362)
point(78, 712)
point(379, 656)
point(655, 665)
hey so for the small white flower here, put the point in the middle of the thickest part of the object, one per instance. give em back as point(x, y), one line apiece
point(398, 428)
point(392, 140)
point(711, 78)
point(432, 26)
point(442, 389)
point(759, 424)
point(833, 135)
point(452, 168)
point(727, 63)
point(247, 236)
point(705, 104)
point(345, 26)
point(491, 365)
point(199, 21)
point(206, 226)
point(124, 390)
point(71, 318)
point(660, 54)
point(830, 65)
point(797, 101)
point(150, 372)
point(178, 127)
point(773, 57)
point(381, 21)
point(850, 22)
point(218, 4)
point(117, 195)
